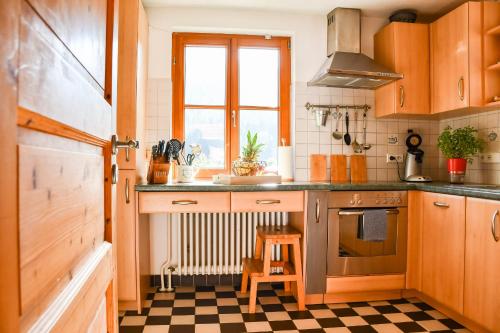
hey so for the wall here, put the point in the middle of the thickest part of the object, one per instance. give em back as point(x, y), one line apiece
point(308, 34)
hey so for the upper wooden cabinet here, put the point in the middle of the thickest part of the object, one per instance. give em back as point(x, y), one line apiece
point(404, 48)
point(482, 258)
point(456, 59)
point(443, 249)
point(491, 52)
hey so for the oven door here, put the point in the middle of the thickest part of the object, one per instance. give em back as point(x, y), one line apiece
point(350, 255)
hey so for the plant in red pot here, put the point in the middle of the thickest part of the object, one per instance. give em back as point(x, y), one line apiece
point(459, 146)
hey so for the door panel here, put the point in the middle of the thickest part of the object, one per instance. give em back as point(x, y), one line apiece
point(81, 25)
point(66, 197)
point(482, 272)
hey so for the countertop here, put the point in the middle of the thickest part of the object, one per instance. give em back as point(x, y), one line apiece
point(469, 190)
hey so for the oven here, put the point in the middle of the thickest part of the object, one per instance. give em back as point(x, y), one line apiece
point(348, 252)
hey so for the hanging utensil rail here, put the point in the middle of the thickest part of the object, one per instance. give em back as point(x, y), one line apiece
point(310, 106)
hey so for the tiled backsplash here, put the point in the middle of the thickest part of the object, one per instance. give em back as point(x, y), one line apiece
point(311, 139)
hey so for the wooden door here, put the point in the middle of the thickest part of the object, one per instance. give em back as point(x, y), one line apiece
point(443, 249)
point(65, 119)
point(482, 258)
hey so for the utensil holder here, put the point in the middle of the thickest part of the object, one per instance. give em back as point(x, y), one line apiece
point(158, 172)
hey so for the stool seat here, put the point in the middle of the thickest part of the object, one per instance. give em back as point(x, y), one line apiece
point(258, 268)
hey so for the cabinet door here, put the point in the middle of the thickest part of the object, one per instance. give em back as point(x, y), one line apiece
point(316, 240)
point(411, 43)
point(450, 60)
point(482, 263)
point(126, 236)
point(443, 249)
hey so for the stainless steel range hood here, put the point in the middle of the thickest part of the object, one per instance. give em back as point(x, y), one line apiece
point(346, 66)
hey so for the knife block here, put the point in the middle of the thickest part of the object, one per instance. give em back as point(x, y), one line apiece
point(158, 171)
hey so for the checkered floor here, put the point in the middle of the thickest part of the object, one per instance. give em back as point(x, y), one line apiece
point(223, 309)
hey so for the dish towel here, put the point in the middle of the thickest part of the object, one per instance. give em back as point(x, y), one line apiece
point(372, 226)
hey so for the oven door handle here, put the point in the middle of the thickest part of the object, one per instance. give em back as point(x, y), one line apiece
point(360, 212)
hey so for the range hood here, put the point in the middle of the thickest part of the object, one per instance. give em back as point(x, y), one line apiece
point(346, 66)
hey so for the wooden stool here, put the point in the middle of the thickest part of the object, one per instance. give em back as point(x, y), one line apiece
point(258, 270)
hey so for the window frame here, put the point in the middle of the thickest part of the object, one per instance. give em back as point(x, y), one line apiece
point(232, 43)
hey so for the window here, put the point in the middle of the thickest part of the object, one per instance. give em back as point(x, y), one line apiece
point(226, 85)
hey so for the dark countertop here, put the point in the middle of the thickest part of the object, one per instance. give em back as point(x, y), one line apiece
point(470, 190)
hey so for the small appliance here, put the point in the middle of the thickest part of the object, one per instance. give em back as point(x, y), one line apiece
point(414, 159)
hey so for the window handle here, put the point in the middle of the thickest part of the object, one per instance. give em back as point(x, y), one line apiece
point(233, 117)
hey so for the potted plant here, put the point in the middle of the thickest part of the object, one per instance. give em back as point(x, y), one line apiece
point(248, 164)
point(459, 145)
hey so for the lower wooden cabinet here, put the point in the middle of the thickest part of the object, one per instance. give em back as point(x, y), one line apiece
point(482, 263)
point(443, 249)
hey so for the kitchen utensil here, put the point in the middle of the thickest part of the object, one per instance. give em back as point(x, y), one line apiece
point(366, 146)
point(347, 136)
point(190, 159)
point(321, 116)
point(338, 168)
point(355, 145)
point(338, 115)
point(175, 149)
point(358, 169)
point(318, 168)
point(182, 153)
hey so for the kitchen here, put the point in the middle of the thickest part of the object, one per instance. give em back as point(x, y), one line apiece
point(338, 129)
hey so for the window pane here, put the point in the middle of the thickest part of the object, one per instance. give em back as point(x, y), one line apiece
point(259, 76)
point(205, 79)
point(206, 128)
point(265, 124)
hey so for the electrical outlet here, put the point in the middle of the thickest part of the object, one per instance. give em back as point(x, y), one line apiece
point(398, 157)
point(393, 139)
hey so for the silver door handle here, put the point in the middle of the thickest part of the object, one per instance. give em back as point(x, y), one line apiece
point(127, 191)
point(361, 213)
point(318, 202)
point(494, 226)
point(115, 144)
point(441, 204)
point(114, 174)
point(267, 202)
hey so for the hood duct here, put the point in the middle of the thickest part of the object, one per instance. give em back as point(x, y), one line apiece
point(346, 66)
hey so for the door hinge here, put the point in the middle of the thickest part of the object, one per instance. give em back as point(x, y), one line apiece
point(289, 45)
point(174, 60)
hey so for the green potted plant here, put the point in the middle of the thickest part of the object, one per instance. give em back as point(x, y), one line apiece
point(248, 164)
point(459, 145)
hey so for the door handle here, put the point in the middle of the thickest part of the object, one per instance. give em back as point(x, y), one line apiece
point(318, 202)
point(127, 191)
point(114, 174)
point(401, 96)
point(116, 144)
point(494, 226)
point(461, 89)
point(441, 204)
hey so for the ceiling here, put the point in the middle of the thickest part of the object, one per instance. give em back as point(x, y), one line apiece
point(381, 8)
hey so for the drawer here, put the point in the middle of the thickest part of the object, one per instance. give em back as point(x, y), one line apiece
point(184, 202)
point(267, 201)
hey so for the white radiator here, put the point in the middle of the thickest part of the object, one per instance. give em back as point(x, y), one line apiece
point(215, 243)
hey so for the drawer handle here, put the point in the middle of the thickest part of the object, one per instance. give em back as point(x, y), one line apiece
point(441, 204)
point(268, 202)
point(184, 202)
point(127, 191)
point(494, 226)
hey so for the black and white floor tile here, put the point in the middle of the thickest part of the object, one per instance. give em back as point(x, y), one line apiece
point(222, 309)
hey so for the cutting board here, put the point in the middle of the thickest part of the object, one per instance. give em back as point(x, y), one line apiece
point(338, 168)
point(317, 168)
point(245, 180)
point(358, 169)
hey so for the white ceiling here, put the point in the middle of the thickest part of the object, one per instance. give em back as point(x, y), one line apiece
point(380, 8)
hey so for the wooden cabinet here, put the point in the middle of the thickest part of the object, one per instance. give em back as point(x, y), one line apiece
point(404, 48)
point(456, 59)
point(482, 259)
point(443, 249)
point(491, 53)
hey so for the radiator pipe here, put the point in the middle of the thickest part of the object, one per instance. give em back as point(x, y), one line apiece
point(166, 264)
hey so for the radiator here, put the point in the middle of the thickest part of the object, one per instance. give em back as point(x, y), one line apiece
point(215, 243)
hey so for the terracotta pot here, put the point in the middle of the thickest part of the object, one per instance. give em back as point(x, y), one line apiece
point(456, 170)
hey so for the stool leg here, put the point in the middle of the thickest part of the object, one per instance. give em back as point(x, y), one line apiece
point(258, 248)
point(284, 253)
point(244, 281)
point(298, 272)
point(267, 258)
point(253, 296)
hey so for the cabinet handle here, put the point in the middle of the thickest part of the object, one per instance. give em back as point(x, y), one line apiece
point(318, 202)
point(184, 202)
point(401, 96)
point(127, 191)
point(494, 226)
point(267, 202)
point(441, 204)
point(461, 88)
